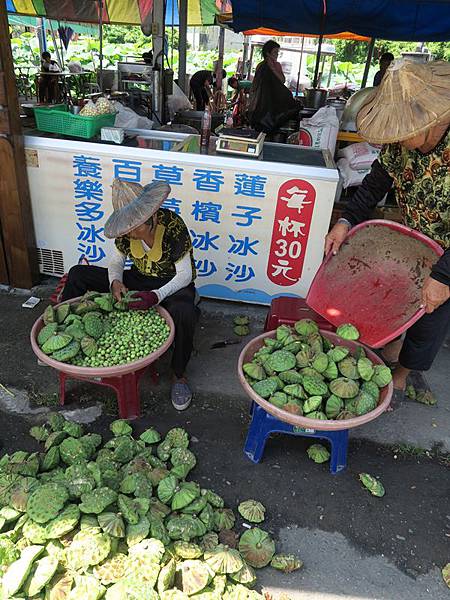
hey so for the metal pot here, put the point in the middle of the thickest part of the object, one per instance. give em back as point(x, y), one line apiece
point(315, 97)
point(337, 104)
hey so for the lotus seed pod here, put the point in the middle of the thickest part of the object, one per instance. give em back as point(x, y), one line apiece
point(65, 522)
point(311, 404)
point(344, 388)
point(241, 320)
point(46, 502)
point(374, 485)
point(166, 577)
point(128, 508)
point(18, 571)
point(49, 315)
point(306, 327)
point(290, 377)
point(183, 496)
point(278, 399)
point(93, 325)
point(348, 368)
point(214, 499)
point(371, 388)
point(345, 415)
point(365, 369)
point(294, 407)
point(347, 331)
point(304, 357)
point(72, 451)
point(112, 569)
point(196, 506)
point(281, 360)
point(317, 414)
point(223, 519)
point(120, 427)
point(112, 524)
point(331, 372)
point(410, 392)
point(364, 403)
point(207, 517)
point(252, 510)
point(96, 501)
point(88, 549)
point(426, 397)
point(187, 551)
point(446, 574)
point(265, 388)
point(246, 576)
point(47, 332)
point(224, 560)
point(382, 375)
point(318, 453)
point(89, 346)
point(241, 330)
point(320, 362)
point(167, 488)
point(254, 371)
point(43, 571)
point(314, 387)
point(209, 541)
point(56, 342)
point(286, 563)
point(67, 353)
point(150, 436)
point(295, 390)
point(283, 332)
point(177, 438)
point(256, 547)
point(338, 353)
point(315, 341)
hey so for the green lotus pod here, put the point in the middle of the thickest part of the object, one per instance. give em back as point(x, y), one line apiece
point(132, 588)
point(306, 327)
point(65, 522)
point(75, 430)
point(28, 467)
point(304, 357)
point(224, 560)
point(214, 499)
point(184, 495)
point(317, 414)
point(105, 302)
point(241, 320)
point(338, 353)
point(410, 391)
point(128, 484)
point(77, 331)
point(310, 372)
point(59, 587)
point(246, 576)
point(87, 550)
point(18, 571)
point(72, 451)
point(43, 571)
point(333, 406)
point(331, 372)
point(128, 508)
point(369, 387)
point(196, 506)
point(56, 421)
point(62, 312)
point(207, 517)
point(294, 346)
point(46, 332)
point(256, 547)
point(187, 550)
point(124, 450)
point(314, 387)
point(79, 479)
point(446, 574)
point(54, 439)
point(374, 485)
point(34, 532)
point(67, 353)
point(39, 433)
point(347, 331)
point(311, 404)
point(49, 315)
point(426, 397)
point(350, 404)
point(89, 346)
point(348, 368)
point(315, 341)
point(150, 436)
point(294, 407)
point(286, 563)
point(86, 305)
point(282, 332)
point(112, 524)
point(209, 541)
point(320, 362)
point(20, 492)
point(344, 388)
point(345, 415)
point(167, 488)
point(265, 388)
point(93, 325)
point(382, 375)
point(241, 330)
point(157, 475)
point(164, 450)
point(56, 342)
point(365, 368)
point(111, 570)
point(295, 390)
point(223, 519)
point(120, 427)
point(177, 438)
point(72, 318)
point(278, 399)
point(185, 527)
point(45, 502)
point(364, 403)
point(166, 577)
point(254, 371)
point(9, 514)
point(96, 501)
point(280, 361)
point(318, 453)
point(252, 510)
point(271, 344)
point(290, 377)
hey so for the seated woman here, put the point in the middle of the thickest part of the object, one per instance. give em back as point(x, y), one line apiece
point(158, 243)
point(48, 80)
point(271, 103)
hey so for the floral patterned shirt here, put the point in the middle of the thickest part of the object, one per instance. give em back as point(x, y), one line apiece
point(422, 186)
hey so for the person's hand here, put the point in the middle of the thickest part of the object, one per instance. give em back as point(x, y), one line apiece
point(118, 290)
point(335, 237)
point(434, 294)
point(143, 300)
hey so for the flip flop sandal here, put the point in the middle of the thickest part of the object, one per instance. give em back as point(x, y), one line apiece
point(181, 395)
point(396, 401)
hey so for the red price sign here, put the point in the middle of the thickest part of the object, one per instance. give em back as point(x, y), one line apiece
point(293, 214)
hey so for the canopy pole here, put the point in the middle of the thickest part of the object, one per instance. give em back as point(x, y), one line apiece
point(316, 71)
point(300, 67)
point(41, 35)
point(221, 50)
point(368, 61)
point(55, 43)
point(100, 37)
point(245, 55)
point(182, 45)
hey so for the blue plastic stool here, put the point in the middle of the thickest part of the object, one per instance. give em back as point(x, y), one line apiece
point(263, 424)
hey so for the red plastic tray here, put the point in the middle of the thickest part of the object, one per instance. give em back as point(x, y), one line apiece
point(375, 280)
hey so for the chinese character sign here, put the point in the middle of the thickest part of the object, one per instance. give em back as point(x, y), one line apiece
point(292, 222)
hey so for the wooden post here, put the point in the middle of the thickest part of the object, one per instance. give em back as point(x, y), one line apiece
point(18, 256)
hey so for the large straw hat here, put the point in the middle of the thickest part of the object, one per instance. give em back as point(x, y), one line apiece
point(134, 204)
point(411, 98)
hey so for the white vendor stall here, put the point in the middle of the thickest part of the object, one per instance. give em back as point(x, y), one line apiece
point(257, 226)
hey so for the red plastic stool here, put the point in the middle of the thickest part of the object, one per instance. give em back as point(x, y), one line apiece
point(125, 386)
point(287, 311)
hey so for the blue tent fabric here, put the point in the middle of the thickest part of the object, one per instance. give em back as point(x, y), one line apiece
point(402, 20)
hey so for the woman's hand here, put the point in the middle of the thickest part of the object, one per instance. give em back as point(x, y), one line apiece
point(118, 290)
point(335, 237)
point(434, 294)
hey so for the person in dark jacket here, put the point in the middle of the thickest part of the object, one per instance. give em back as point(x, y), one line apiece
point(201, 87)
point(385, 61)
point(48, 79)
point(410, 115)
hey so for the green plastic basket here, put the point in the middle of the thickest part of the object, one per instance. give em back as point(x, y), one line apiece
point(57, 119)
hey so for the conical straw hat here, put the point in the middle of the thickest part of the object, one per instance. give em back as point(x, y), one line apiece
point(134, 205)
point(411, 98)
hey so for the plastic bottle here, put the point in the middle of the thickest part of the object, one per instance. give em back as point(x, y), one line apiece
point(206, 128)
